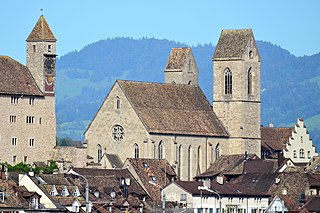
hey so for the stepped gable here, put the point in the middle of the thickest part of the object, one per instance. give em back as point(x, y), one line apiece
point(41, 31)
point(275, 138)
point(16, 79)
point(173, 108)
point(232, 44)
point(177, 59)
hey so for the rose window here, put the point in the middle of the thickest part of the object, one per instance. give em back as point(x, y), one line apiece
point(117, 133)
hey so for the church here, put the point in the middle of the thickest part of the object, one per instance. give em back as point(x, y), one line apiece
point(175, 121)
point(27, 100)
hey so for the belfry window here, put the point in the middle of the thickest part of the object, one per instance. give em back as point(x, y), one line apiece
point(189, 162)
point(249, 82)
point(99, 149)
point(136, 151)
point(227, 81)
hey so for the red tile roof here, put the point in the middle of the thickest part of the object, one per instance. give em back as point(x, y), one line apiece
point(275, 138)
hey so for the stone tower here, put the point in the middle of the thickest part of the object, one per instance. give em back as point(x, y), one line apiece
point(236, 89)
point(181, 67)
point(41, 56)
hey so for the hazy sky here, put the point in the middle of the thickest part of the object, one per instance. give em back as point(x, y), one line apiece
point(291, 24)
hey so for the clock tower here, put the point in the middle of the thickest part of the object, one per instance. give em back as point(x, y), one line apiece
point(41, 56)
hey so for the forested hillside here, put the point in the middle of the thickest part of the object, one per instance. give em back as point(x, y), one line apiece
point(289, 84)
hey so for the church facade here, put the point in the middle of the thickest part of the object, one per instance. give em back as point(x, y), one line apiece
point(27, 100)
point(175, 121)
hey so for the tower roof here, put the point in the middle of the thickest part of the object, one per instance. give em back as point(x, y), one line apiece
point(41, 31)
point(177, 58)
point(232, 44)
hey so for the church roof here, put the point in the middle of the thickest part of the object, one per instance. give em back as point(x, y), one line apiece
point(41, 31)
point(232, 44)
point(16, 79)
point(275, 138)
point(177, 58)
point(173, 108)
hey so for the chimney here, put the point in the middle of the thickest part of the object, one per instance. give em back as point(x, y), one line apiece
point(270, 124)
point(207, 183)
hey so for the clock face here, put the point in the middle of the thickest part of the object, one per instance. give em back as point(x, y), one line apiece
point(49, 65)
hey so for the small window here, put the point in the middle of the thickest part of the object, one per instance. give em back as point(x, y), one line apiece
point(136, 151)
point(301, 153)
point(160, 150)
point(34, 48)
point(40, 120)
point(49, 48)
point(217, 151)
point(1, 197)
point(249, 82)
point(183, 197)
point(14, 159)
point(99, 149)
point(295, 153)
point(13, 118)
point(154, 178)
point(14, 141)
point(309, 155)
point(31, 142)
point(30, 119)
point(301, 139)
point(25, 159)
point(31, 101)
point(117, 102)
point(14, 99)
point(190, 66)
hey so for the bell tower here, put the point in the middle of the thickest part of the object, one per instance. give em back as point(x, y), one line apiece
point(41, 56)
point(236, 89)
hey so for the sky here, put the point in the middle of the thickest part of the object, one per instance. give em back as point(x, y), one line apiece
point(292, 24)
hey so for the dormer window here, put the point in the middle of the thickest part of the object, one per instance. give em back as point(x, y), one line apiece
point(54, 191)
point(145, 165)
point(96, 193)
point(76, 192)
point(65, 192)
point(154, 178)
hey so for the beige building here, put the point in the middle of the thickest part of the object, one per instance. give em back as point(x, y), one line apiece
point(27, 100)
point(175, 121)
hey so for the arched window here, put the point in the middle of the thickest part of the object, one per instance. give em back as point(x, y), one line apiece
point(227, 81)
point(179, 160)
point(117, 102)
point(249, 82)
point(160, 150)
point(301, 153)
point(198, 160)
point(189, 162)
point(99, 149)
point(217, 151)
point(136, 151)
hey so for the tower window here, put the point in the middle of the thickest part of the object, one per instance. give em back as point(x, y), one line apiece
point(31, 101)
point(249, 82)
point(14, 99)
point(99, 149)
point(30, 119)
point(14, 159)
point(34, 48)
point(136, 151)
point(228, 82)
point(13, 118)
point(49, 48)
point(190, 66)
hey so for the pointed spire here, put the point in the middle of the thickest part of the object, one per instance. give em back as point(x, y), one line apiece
point(41, 31)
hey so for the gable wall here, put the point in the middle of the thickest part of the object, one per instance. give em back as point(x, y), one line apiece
point(99, 131)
